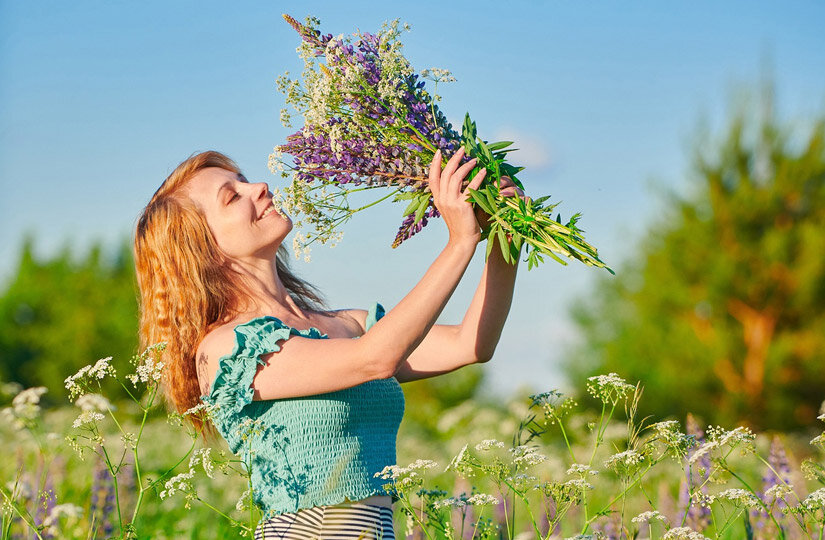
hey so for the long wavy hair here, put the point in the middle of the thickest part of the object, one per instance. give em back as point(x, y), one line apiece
point(186, 285)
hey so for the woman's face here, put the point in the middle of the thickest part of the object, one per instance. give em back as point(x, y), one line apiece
point(241, 216)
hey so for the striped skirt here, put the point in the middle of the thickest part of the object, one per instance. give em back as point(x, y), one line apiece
point(338, 522)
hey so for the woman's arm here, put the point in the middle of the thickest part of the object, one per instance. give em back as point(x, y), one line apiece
point(449, 347)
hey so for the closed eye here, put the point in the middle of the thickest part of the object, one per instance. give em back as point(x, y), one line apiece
point(235, 196)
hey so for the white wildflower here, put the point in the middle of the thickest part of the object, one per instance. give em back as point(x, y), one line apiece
point(582, 470)
point(778, 492)
point(148, 371)
point(683, 533)
point(422, 464)
point(815, 501)
point(702, 450)
point(88, 417)
point(180, 483)
point(579, 484)
point(206, 408)
point(739, 497)
point(625, 463)
point(391, 472)
point(482, 499)
point(243, 502)
point(487, 444)
point(644, 517)
point(94, 402)
point(819, 440)
point(78, 383)
point(526, 456)
point(453, 502)
point(703, 499)
point(203, 456)
point(457, 460)
point(608, 388)
point(25, 407)
point(129, 440)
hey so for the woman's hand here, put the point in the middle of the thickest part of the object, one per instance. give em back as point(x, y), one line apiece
point(451, 201)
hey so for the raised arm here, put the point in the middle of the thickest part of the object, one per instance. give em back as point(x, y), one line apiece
point(450, 347)
point(305, 366)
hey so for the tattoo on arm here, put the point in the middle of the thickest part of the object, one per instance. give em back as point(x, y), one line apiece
point(203, 373)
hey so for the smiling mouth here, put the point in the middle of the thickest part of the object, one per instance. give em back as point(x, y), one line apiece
point(271, 208)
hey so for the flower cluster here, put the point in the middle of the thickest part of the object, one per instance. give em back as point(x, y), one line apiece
point(404, 478)
point(554, 404)
point(683, 533)
point(369, 122)
point(610, 389)
point(149, 368)
point(25, 407)
point(625, 464)
point(81, 382)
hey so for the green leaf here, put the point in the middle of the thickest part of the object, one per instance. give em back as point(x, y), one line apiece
point(502, 242)
point(480, 201)
point(415, 203)
point(421, 209)
point(485, 152)
point(491, 238)
point(499, 145)
point(522, 206)
point(492, 201)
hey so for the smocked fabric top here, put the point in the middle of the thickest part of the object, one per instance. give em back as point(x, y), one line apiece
point(305, 451)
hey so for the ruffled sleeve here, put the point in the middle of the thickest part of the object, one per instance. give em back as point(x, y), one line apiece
point(374, 314)
point(231, 390)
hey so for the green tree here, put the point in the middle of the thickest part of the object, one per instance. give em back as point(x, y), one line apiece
point(722, 312)
point(58, 315)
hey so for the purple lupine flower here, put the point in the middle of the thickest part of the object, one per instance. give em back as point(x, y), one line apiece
point(698, 517)
point(342, 144)
point(762, 523)
point(103, 498)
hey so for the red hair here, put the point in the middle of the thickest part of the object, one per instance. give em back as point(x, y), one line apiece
point(186, 287)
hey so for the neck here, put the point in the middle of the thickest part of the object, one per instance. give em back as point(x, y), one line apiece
point(268, 295)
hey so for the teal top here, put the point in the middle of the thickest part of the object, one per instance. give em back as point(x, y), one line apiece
point(305, 451)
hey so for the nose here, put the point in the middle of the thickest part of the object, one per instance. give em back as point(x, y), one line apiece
point(262, 189)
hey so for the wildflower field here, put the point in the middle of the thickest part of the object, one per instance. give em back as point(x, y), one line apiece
point(539, 466)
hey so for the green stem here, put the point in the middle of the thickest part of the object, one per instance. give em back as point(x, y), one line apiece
point(761, 502)
point(14, 508)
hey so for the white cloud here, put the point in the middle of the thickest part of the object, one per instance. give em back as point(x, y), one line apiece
point(532, 152)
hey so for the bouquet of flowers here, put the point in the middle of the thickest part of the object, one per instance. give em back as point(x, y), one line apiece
point(370, 123)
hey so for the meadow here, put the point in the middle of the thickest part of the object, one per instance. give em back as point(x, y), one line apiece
point(538, 466)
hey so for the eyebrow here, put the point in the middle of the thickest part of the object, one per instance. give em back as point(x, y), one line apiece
point(227, 184)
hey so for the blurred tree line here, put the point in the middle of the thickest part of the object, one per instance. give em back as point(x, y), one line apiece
point(721, 311)
point(58, 315)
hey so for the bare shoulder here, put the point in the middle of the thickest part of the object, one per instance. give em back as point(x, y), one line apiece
point(216, 343)
point(356, 319)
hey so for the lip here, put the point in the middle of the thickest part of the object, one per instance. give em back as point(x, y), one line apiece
point(261, 216)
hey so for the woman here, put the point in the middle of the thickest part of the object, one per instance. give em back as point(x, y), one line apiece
point(313, 412)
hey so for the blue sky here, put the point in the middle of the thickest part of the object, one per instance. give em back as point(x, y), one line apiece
point(100, 101)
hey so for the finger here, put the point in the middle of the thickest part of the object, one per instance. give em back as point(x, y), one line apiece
point(452, 165)
point(457, 179)
point(435, 172)
point(476, 182)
